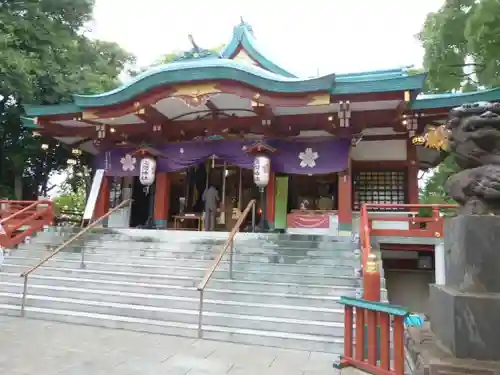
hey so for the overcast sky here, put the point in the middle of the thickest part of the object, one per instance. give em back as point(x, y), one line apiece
point(302, 36)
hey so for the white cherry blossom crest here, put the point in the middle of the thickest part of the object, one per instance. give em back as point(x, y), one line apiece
point(128, 162)
point(308, 158)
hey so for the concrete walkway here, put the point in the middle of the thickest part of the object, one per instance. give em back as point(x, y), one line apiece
point(48, 348)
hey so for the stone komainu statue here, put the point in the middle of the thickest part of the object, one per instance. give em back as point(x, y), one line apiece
point(474, 140)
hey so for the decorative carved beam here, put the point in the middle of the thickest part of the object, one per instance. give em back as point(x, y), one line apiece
point(212, 107)
point(151, 115)
point(286, 124)
point(80, 142)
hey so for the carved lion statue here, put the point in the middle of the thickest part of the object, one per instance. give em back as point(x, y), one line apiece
point(474, 140)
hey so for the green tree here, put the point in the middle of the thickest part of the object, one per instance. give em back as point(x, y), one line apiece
point(169, 57)
point(44, 58)
point(433, 191)
point(462, 46)
point(70, 199)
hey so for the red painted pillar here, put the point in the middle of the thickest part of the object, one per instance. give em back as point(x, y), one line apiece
point(270, 199)
point(344, 199)
point(371, 279)
point(102, 204)
point(162, 200)
point(411, 151)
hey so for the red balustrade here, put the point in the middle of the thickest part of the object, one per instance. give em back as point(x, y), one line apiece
point(431, 227)
point(373, 337)
point(21, 219)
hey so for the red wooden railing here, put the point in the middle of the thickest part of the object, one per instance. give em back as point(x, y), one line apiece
point(369, 342)
point(21, 219)
point(419, 226)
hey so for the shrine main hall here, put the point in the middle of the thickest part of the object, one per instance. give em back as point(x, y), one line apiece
point(310, 151)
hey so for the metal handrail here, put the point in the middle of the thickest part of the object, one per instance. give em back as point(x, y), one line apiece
point(25, 274)
point(228, 245)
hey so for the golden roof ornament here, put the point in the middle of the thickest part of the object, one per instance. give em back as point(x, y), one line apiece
point(435, 138)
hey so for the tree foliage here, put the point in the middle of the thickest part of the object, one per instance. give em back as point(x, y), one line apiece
point(70, 199)
point(433, 191)
point(169, 58)
point(462, 45)
point(44, 58)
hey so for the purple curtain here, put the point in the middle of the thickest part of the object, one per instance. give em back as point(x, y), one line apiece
point(292, 157)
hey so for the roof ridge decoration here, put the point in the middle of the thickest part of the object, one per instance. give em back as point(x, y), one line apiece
point(196, 52)
point(244, 38)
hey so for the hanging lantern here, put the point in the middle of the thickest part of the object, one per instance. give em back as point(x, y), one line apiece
point(147, 171)
point(261, 170)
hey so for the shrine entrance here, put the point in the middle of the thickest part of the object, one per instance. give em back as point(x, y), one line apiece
point(234, 185)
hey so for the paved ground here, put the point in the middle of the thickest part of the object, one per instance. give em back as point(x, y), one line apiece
point(49, 348)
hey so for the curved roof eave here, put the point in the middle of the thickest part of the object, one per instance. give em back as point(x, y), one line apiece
point(186, 72)
point(393, 72)
point(401, 83)
point(205, 70)
point(243, 36)
point(450, 100)
point(29, 123)
point(50, 110)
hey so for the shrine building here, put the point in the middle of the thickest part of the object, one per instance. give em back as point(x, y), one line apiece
point(309, 150)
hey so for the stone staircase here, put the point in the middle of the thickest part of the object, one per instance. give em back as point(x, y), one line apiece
point(284, 292)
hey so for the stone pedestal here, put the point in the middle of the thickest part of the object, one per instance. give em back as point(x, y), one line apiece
point(465, 312)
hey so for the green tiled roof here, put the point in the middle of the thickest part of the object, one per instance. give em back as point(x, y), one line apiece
point(450, 100)
point(267, 77)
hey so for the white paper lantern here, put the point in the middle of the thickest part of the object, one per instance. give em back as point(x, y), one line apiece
point(147, 171)
point(261, 170)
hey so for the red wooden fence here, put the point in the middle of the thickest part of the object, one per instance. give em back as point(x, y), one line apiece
point(373, 337)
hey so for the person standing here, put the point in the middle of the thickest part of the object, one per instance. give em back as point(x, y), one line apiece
point(211, 199)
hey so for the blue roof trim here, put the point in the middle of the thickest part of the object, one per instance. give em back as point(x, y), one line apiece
point(203, 70)
point(54, 109)
point(402, 83)
point(450, 100)
point(29, 123)
point(219, 69)
point(243, 35)
point(384, 73)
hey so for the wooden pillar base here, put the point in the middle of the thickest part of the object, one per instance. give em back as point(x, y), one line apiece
point(344, 199)
point(371, 279)
point(161, 200)
point(371, 286)
point(270, 199)
point(102, 204)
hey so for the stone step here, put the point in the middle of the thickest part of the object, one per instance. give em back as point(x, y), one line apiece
point(300, 302)
point(15, 284)
point(171, 286)
point(330, 250)
point(168, 257)
point(128, 245)
point(183, 264)
point(284, 308)
point(285, 289)
point(245, 336)
point(169, 234)
point(171, 314)
point(196, 274)
point(288, 245)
